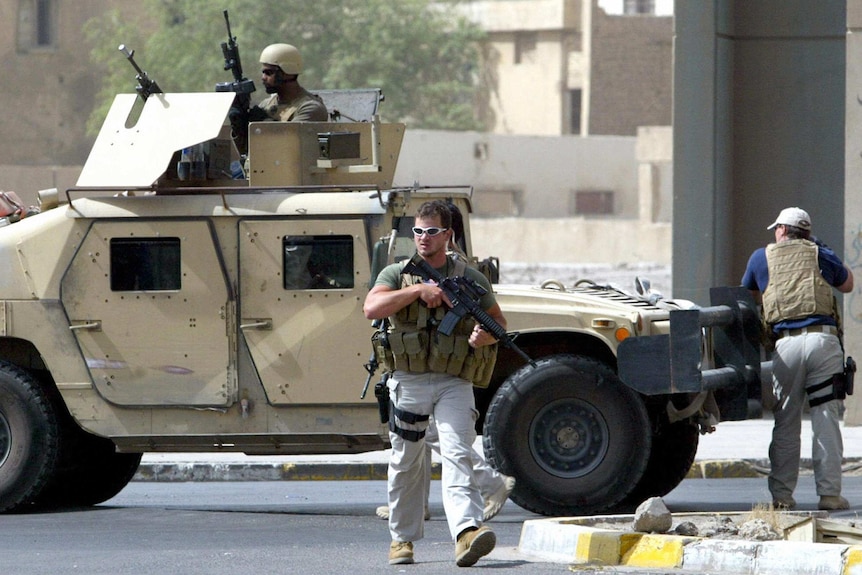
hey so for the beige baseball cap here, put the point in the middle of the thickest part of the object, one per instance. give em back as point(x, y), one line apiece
point(795, 217)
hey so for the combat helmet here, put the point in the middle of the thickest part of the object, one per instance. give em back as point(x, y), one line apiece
point(284, 56)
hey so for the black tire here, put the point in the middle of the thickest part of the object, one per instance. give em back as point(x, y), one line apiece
point(28, 439)
point(673, 451)
point(103, 473)
point(573, 435)
point(90, 470)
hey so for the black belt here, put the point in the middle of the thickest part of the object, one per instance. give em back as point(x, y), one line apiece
point(820, 328)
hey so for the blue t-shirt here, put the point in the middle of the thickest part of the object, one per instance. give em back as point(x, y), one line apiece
point(756, 277)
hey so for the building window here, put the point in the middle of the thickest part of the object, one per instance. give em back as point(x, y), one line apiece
point(593, 203)
point(318, 262)
point(525, 46)
point(639, 7)
point(497, 203)
point(37, 25)
point(575, 111)
point(145, 264)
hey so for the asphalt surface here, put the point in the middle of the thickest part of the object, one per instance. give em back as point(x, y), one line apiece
point(734, 450)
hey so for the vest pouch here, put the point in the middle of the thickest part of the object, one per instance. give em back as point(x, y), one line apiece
point(438, 361)
point(460, 352)
point(416, 350)
point(480, 365)
point(382, 352)
point(399, 352)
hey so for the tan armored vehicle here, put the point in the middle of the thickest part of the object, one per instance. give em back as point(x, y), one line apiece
point(164, 306)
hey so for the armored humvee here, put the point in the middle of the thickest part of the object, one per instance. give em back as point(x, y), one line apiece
point(166, 305)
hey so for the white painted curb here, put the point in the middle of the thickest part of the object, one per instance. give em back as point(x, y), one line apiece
point(559, 540)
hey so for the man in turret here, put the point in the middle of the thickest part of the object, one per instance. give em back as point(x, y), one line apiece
point(288, 101)
point(794, 278)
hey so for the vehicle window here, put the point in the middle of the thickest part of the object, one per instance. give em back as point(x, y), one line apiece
point(145, 264)
point(318, 262)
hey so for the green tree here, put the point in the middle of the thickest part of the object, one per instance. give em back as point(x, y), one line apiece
point(423, 54)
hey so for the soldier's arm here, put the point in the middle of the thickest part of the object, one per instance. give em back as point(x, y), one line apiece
point(847, 286)
point(383, 301)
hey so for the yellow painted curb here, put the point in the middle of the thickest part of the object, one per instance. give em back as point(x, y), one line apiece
point(853, 560)
point(601, 547)
point(647, 550)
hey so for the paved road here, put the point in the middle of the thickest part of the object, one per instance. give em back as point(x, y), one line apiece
point(217, 528)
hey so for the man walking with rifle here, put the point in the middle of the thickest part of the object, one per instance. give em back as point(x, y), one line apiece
point(432, 375)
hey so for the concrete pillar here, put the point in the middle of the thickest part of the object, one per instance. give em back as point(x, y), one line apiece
point(852, 205)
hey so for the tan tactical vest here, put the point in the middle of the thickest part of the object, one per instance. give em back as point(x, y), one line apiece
point(796, 288)
point(415, 345)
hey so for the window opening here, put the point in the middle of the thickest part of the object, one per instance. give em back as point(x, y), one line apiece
point(145, 264)
point(318, 262)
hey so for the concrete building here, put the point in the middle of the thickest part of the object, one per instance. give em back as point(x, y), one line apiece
point(48, 89)
point(557, 67)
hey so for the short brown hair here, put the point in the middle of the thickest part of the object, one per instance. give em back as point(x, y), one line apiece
point(436, 208)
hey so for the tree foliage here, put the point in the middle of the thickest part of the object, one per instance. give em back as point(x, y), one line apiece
point(423, 54)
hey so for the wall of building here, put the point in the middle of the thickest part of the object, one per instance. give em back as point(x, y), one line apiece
point(539, 51)
point(631, 73)
point(47, 91)
point(545, 172)
point(526, 176)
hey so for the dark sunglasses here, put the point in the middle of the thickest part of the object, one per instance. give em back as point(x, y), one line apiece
point(433, 231)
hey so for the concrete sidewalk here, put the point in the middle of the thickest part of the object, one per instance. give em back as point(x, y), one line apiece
point(736, 449)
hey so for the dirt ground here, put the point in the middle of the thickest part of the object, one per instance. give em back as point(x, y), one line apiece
point(758, 524)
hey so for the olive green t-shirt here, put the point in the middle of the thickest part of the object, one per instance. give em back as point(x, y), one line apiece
point(390, 276)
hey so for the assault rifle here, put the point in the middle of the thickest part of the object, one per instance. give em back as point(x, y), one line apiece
point(241, 86)
point(146, 86)
point(464, 294)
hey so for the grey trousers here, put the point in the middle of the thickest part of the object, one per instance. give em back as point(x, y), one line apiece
point(489, 479)
point(800, 362)
point(449, 400)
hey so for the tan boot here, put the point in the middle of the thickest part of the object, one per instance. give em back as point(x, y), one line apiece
point(474, 544)
point(494, 502)
point(400, 553)
point(833, 503)
point(784, 503)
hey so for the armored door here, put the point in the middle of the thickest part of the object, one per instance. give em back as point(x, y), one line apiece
point(149, 306)
point(302, 285)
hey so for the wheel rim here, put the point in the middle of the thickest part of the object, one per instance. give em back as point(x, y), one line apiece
point(5, 439)
point(569, 438)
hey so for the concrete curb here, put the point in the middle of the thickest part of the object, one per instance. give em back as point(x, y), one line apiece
point(268, 471)
point(558, 540)
point(335, 471)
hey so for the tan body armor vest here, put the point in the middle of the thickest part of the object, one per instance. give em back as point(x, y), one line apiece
point(415, 345)
point(796, 288)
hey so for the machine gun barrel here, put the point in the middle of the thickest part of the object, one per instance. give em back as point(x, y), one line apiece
point(464, 294)
point(146, 86)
